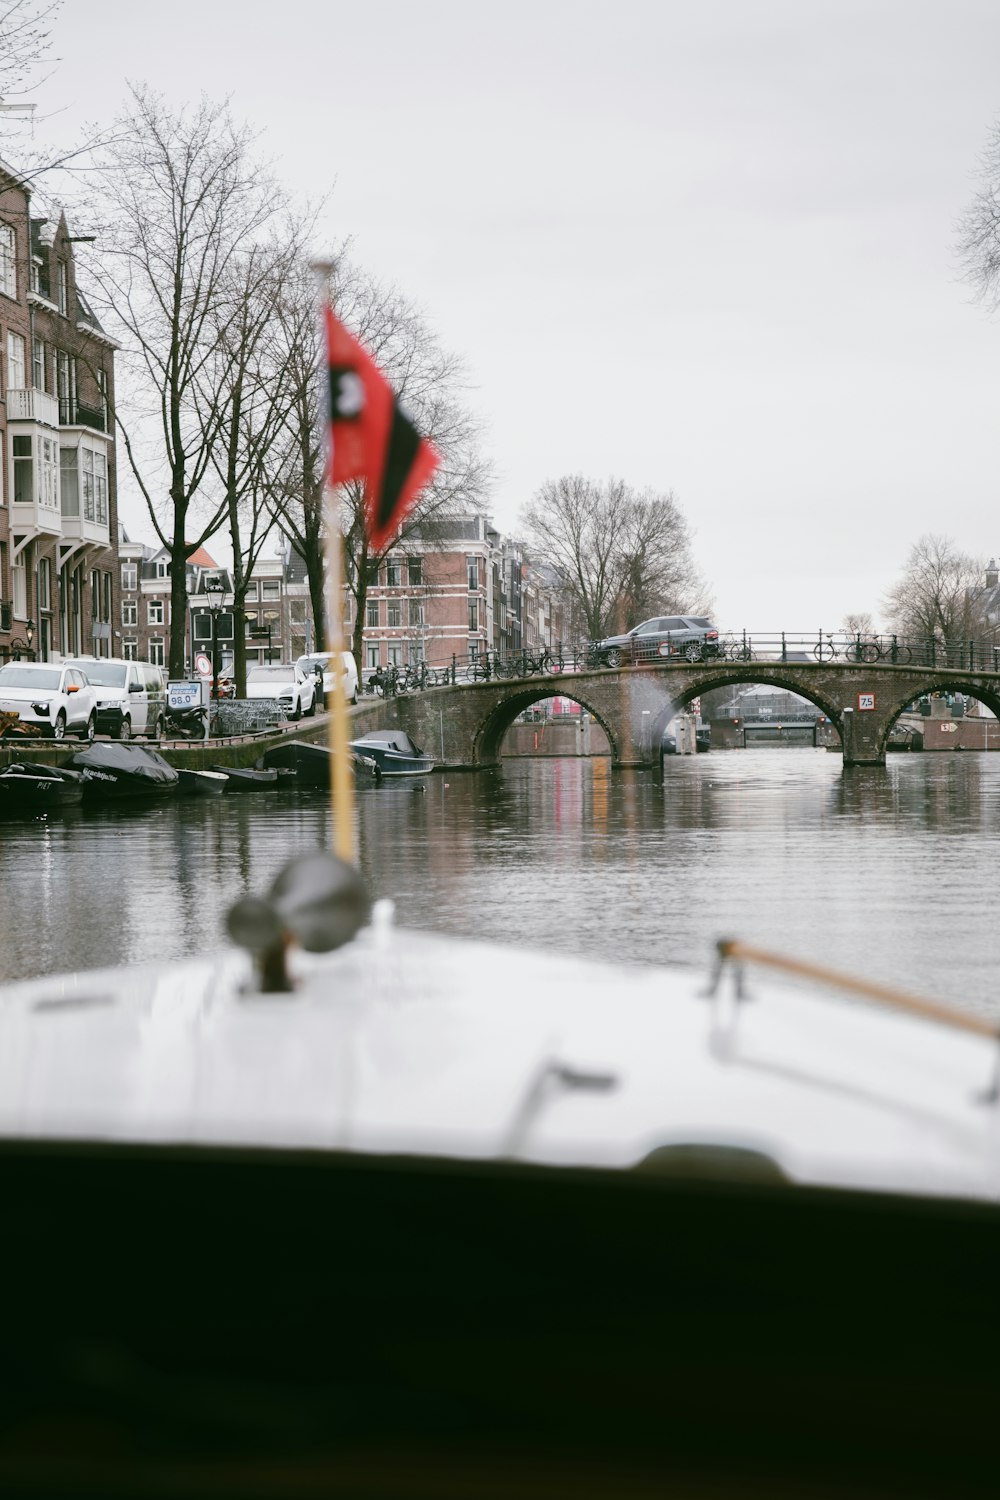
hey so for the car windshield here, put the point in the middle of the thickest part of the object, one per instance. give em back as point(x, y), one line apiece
point(312, 663)
point(34, 677)
point(103, 674)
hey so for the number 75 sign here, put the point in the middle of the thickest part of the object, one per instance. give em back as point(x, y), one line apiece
point(866, 701)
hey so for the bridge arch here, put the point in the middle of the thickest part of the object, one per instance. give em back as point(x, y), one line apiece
point(488, 736)
point(951, 684)
point(764, 674)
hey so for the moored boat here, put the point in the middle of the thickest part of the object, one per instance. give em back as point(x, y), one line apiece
point(311, 764)
point(393, 752)
point(120, 771)
point(248, 778)
point(27, 789)
point(201, 783)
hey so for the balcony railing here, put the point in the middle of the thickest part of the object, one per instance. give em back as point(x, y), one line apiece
point(32, 406)
point(81, 416)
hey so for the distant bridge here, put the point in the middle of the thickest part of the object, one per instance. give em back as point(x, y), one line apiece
point(463, 725)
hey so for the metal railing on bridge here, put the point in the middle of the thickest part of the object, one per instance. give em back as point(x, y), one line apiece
point(820, 647)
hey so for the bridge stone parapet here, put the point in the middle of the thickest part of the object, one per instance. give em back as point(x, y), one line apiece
point(463, 726)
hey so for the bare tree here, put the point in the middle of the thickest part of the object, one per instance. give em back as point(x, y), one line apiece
point(245, 387)
point(939, 596)
point(25, 43)
point(979, 227)
point(183, 203)
point(619, 553)
point(429, 383)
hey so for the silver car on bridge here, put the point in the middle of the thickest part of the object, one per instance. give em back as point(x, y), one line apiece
point(692, 637)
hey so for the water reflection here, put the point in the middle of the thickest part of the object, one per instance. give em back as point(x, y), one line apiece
point(884, 872)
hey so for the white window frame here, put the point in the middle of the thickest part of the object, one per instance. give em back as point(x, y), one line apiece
point(130, 577)
point(156, 643)
point(19, 590)
point(16, 368)
point(154, 612)
point(130, 613)
point(8, 261)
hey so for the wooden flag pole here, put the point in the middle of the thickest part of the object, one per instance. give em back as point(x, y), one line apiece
point(341, 769)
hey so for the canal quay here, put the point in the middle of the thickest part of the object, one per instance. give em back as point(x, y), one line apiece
point(886, 872)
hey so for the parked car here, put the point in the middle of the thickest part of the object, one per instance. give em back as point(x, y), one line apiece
point(54, 695)
point(318, 662)
point(131, 695)
point(690, 636)
point(294, 689)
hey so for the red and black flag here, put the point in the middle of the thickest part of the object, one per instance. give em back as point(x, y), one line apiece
point(370, 437)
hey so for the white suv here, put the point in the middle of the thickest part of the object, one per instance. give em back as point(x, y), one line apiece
point(318, 663)
point(294, 690)
point(55, 695)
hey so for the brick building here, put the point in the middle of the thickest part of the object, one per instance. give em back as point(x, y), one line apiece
point(58, 506)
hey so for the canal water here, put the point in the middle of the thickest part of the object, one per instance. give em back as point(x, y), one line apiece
point(889, 873)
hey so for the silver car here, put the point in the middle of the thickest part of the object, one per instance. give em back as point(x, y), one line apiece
point(692, 637)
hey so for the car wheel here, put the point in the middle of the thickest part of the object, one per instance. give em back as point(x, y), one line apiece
point(125, 732)
point(693, 651)
point(311, 710)
point(354, 697)
point(157, 731)
point(296, 716)
point(613, 658)
point(89, 729)
point(59, 727)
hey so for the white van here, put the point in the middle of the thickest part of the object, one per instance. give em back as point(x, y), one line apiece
point(316, 661)
point(131, 695)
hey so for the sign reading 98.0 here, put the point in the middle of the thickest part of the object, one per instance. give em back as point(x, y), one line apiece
point(184, 694)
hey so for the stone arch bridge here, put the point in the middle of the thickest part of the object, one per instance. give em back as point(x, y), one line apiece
point(463, 726)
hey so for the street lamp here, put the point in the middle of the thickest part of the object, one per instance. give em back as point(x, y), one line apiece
point(215, 590)
point(29, 632)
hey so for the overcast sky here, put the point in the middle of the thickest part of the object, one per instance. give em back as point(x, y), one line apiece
point(706, 247)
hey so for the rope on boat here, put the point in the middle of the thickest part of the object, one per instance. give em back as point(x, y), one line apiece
point(731, 950)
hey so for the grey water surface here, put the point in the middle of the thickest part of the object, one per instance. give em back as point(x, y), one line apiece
point(890, 873)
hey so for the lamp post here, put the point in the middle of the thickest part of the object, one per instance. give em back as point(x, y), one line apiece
point(215, 590)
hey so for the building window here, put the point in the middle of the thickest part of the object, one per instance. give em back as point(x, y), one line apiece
point(38, 364)
point(62, 282)
point(253, 591)
point(106, 593)
point(416, 572)
point(156, 650)
point(130, 613)
point(19, 591)
point(163, 569)
point(66, 387)
point(393, 614)
point(416, 611)
point(45, 584)
point(371, 574)
point(102, 397)
point(15, 362)
point(371, 614)
point(130, 650)
point(472, 563)
point(69, 482)
point(393, 573)
point(8, 262)
point(473, 614)
point(23, 471)
point(395, 654)
point(270, 588)
point(202, 626)
point(373, 649)
point(38, 277)
point(155, 612)
point(130, 577)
